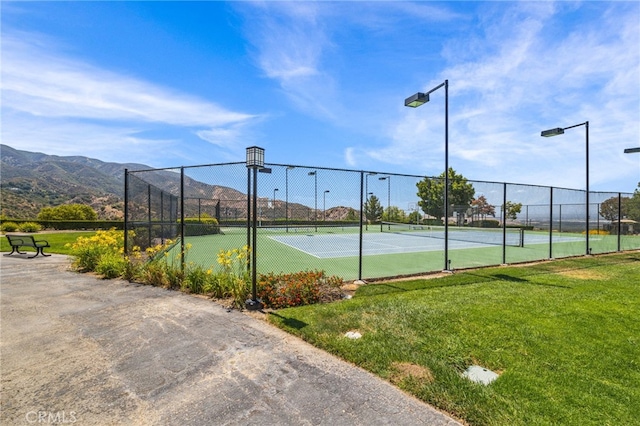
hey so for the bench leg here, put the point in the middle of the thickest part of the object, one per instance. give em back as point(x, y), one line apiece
point(39, 250)
point(14, 249)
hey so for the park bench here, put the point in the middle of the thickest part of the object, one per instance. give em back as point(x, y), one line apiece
point(17, 241)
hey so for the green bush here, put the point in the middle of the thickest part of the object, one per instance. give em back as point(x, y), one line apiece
point(111, 265)
point(68, 212)
point(9, 227)
point(29, 227)
point(203, 226)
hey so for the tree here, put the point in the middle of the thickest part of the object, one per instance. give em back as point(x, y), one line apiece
point(414, 217)
point(609, 208)
point(511, 210)
point(633, 205)
point(431, 193)
point(68, 212)
point(483, 208)
point(352, 215)
point(373, 209)
point(394, 214)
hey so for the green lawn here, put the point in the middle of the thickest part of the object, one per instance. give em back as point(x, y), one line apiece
point(564, 337)
point(57, 241)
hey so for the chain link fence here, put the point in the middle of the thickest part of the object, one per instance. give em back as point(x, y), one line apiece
point(369, 225)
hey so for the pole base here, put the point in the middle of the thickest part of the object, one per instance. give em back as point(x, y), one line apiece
point(253, 305)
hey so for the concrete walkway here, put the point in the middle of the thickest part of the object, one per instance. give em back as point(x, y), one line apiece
point(77, 349)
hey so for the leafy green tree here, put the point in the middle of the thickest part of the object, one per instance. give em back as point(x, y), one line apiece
point(414, 217)
point(373, 209)
point(431, 193)
point(633, 205)
point(68, 212)
point(512, 209)
point(394, 214)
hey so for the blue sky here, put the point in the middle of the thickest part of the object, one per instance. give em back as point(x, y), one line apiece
point(323, 84)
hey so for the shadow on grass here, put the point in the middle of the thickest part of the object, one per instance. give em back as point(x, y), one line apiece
point(290, 322)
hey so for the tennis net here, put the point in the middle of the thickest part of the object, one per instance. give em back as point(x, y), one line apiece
point(493, 236)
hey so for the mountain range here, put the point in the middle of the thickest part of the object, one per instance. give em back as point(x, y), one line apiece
point(30, 181)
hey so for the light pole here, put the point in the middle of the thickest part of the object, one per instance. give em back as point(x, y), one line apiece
point(274, 205)
point(324, 205)
point(366, 191)
point(286, 195)
point(631, 150)
point(315, 210)
point(415, 101)
point(255, 161)
point(559, 131)
point(388, 179)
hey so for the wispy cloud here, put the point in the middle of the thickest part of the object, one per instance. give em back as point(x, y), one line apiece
point(530, 76)
point(41, 84)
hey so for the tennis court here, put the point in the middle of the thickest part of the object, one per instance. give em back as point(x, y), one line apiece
point(403, 238)
point(335, 249)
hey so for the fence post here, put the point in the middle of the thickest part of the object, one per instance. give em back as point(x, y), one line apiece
point(619, 217)
point(361, 229)
point(182, 218)
point(551, 223)
point(504, 223)
point(126, 210)
point(249, 217)
point(149, 212)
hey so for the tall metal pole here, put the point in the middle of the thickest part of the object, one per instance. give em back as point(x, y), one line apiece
point(446, 175)
point(586, 127)
point(255, 236)
point(126, 211)
point(249, 245)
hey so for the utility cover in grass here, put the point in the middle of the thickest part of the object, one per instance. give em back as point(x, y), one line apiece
point(352, 335)
point(478, 374)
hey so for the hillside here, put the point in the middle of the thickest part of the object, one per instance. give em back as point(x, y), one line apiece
point(30, 181)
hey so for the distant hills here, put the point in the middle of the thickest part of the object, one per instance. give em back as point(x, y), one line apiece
point(30, 181)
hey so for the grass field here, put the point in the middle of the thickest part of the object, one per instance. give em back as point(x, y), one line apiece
point(563, 335)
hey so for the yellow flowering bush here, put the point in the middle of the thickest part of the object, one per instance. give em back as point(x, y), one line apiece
point(88, 251)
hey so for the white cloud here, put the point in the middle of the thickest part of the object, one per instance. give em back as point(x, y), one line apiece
point(37, 81)
point(526, 81)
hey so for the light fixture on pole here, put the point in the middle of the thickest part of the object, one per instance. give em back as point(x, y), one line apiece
point(274, 204)
point(315, 193)
point(560, 131)
point(255, 161)
point(413, 102)
point(631, 150)
point(324, 205)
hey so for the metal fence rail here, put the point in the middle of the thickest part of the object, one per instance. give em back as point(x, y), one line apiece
point(329, 219)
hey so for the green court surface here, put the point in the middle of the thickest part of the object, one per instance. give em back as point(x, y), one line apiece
point(335, 250)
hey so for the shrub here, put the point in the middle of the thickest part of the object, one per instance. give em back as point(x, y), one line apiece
point(111, 265)
point(88, 251)
point(9, 227)
point(297, 289)
point(233, 277)
point(68, 212)
point(29, 227)
point(160, 270)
